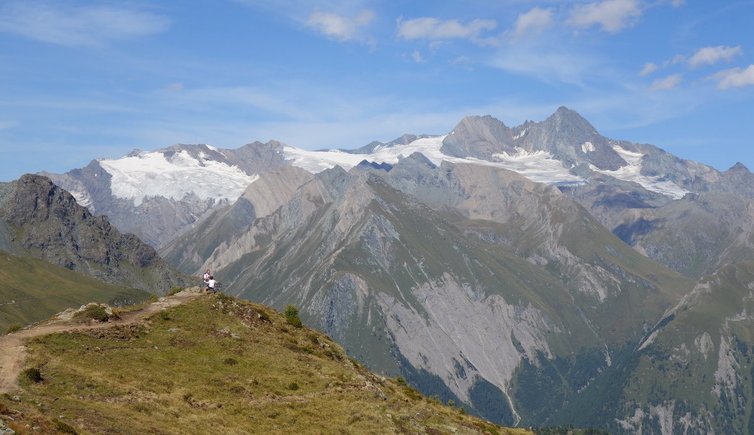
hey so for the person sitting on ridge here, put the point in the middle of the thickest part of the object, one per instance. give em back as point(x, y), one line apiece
point(211, 284)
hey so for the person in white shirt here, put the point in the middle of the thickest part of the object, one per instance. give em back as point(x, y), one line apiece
point(211, 284)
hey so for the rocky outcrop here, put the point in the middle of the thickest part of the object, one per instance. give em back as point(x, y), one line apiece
point(45, 221)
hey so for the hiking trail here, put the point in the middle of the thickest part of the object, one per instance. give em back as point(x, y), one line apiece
point(13, 348)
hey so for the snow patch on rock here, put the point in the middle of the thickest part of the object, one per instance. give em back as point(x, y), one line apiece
point(632, 173)
point(704, 344)
point(82, 198)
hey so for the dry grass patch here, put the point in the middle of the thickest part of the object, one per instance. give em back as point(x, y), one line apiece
point(219, 365)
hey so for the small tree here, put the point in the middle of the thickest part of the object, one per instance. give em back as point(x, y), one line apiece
point(291, 316)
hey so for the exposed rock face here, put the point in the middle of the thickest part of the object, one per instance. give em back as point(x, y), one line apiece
point(571, 139)
point(453, 276)
point(46, 222)
point(480, 137)
point(189, 252)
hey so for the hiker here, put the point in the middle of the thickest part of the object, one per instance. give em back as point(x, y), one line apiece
point(205, 278)
point(211, 284)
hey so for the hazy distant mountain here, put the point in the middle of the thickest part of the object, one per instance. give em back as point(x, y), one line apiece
point(39, 219)
point(156, 195)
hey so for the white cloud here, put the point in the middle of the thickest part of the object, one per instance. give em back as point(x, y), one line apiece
point(434, 29)
point(417, 57)
point(612, 15)
point(666, 83)
point(78, 26)
point(735, 78)
point(713, 55)
point(535, 20)
point(340, 27)
point(677, 3)
point(648, 69)
point(678, 58)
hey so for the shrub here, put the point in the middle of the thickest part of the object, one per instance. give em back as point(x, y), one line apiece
point(175, 290)
point(13, 328)
point(230, 361)
point(293, 386)
point(95, 312)
point(32, 374)
point(400, 381)
point(313, 338)
point(291, 316)
point(412, 393)
point(64, 427)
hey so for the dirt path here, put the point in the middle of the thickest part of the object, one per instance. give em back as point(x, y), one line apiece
point(13, 349)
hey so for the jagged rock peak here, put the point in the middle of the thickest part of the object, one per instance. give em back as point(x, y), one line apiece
point(478, 136)
point(565, 119)
point(738, 168)
point(36, 196)
point(477, 123)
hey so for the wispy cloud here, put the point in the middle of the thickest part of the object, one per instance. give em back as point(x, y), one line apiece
point(340, 27)
point(436, 29)
point(735, 78)
point(611, 15)
point(713, 55)
point(648, 69)
point(546, 65)
point(78, 26)
point(666, 83)
point(533, 21)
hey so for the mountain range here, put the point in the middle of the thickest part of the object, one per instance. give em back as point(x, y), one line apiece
point(539, 274)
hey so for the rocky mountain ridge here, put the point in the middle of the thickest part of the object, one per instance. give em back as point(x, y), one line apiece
point(41, 220)
point(412, 271)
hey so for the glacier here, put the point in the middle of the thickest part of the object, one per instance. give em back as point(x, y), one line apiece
point(155, 174)
point(537, 166)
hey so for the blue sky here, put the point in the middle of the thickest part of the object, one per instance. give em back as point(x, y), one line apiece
point(87, 79)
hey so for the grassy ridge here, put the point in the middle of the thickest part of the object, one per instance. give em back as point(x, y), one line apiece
point(33, 290)
point(218, 365)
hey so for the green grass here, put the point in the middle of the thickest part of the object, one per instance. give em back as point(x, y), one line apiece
point(33, 290)
point(215, 365)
